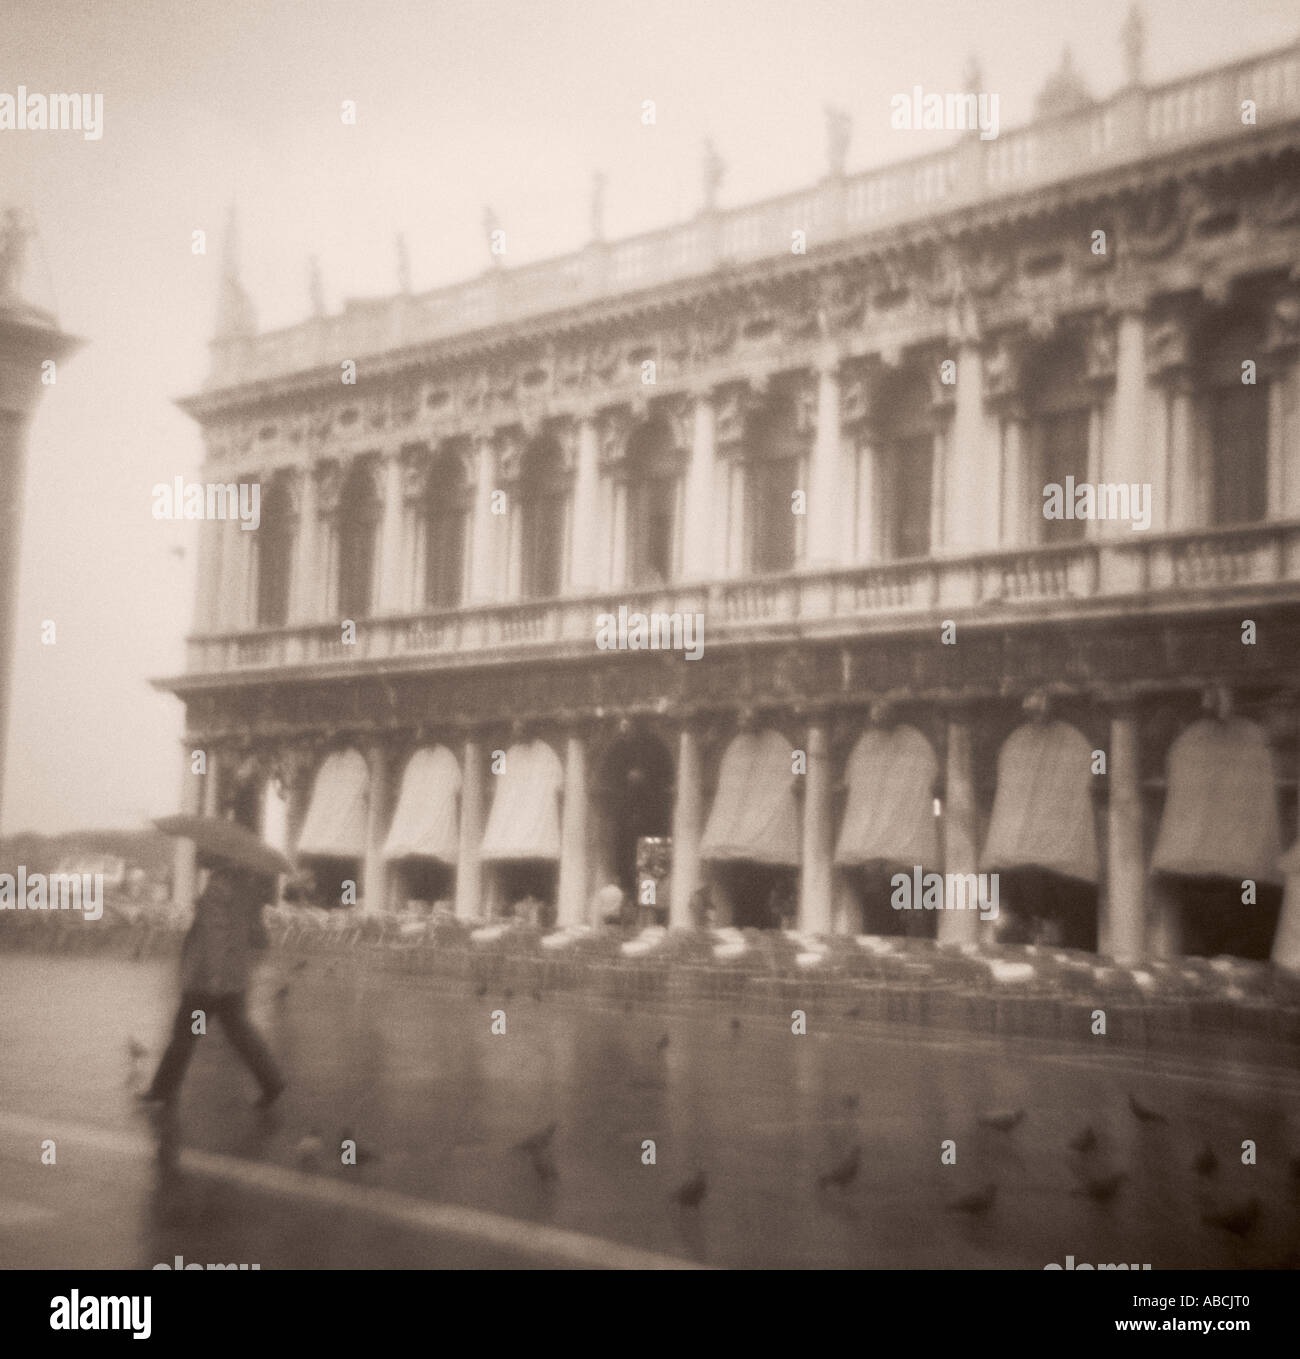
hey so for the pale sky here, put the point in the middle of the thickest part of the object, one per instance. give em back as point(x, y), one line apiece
point(460, 103)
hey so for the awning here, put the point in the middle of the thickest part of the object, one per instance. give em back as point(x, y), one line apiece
point(426, 823)
point(524, 822)
point(1220, 814)
point(754, 815)
point(890, 811)
point(336, 819)
point(1042, 812)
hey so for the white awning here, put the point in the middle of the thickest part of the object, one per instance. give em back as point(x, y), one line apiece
point(524, 822)
point(1220, 815)
point(1042, 813)
point(890, 809)
point(426, 823)
point(754, 814)
point(336, 819)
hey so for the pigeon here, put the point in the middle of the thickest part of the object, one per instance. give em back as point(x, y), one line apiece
point(735, 1024)
point(309, 1148)
point(850, 1101)
point(136, 1050)
point(537, 994)
point(1206, 1162)
point(690, 1194)
point(978, 1202)
point(1003, 1120)
point(844, 1173)
point(538, 1141)
point(509, 994)
point(481, 990)
point(543, 1163)
point(854, 1012)
point(1085, 1141)
point(299, 965)
point(662, 1044)
point(1239, 1218)
point(1143, 1114)
point(627, 1007)
point(1102, 1188)
point(283, 992)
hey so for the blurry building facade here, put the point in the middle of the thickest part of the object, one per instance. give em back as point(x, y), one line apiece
point(837, 459)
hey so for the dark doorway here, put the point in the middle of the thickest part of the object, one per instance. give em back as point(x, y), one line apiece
point(1215, 920)
point(872, 888)
point(637, 789)
point(763, 896)
point(1037, 906)
point(426, 881)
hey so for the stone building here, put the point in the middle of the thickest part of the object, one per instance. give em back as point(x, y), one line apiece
point(838, 459)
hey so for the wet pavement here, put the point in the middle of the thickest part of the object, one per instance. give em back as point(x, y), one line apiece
point(410, 1069)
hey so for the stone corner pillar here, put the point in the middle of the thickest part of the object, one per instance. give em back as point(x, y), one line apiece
point(688, 827)
point(469, 863)
point(584, 557)
point(825, 495)
point(1123, 923)
point(960, 826)
point(571, 894)
point(816, 874)
point(374, 869)
point(191, 804)
point(697, 530)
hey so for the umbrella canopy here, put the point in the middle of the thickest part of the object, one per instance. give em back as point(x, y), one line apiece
point(226, 840)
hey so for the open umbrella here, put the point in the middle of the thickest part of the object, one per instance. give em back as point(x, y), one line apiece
point(222, 839)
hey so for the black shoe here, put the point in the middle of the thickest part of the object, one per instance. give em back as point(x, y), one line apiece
point(269, 1096)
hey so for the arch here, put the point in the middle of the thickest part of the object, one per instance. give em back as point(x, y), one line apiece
point(273, 553)
point(636, 803)
point(889, 816)
point(359, 513)
point(444, 511)
point(543, 500)
point(776, 446)
point(335, 826)
point(654, 477)
point(426, 820)
point(754, 815)
point(524, 822)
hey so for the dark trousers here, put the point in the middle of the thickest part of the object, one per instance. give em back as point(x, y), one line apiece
point(243, 1037)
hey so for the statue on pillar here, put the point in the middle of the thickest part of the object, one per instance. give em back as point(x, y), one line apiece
point(839, 133)
point(1133, 38)
point(598, 182)
point(315, 287)
point(715, 169)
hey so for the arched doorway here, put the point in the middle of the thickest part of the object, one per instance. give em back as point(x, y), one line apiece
point(636, 794)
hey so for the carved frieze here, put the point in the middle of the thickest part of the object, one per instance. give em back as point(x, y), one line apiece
point(1100, 349)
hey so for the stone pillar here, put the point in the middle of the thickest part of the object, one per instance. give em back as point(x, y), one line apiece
point(1286, 941)
point(584, 561)
point(697, 537)
point(1123, 932)
point(211, 801)
point(816, 875)
point(192, 789)
point(618, 501)
point(1129, 462)
point(469, 865)
point(306, 568)
point(1182, 463)
point(1022, 503)
point(571, 897)
point(207, 595)
point(234, 577)
point(960, 827)
point(970, 484)
point(374, 871)
point(825, 494)
point(484, 587)
point(390, 594)
point(688, 827)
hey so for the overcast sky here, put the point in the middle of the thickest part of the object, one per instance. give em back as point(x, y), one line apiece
point(508, 102)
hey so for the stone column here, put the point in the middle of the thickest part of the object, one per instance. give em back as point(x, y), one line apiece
point(306, 567)
point(1286, 940)
point(192, 789)
point(970, 486)
point(816, 874)
point(374, 871)
point(584, 561)
point(960, 827)
point(1123, 932)
point(697, 538)
point(618, 501)
point(1129, 460)
point(483, 523)
point(207, 596)
point(688, 827)
point(1022, 502)
point(389, 599)
point(211, 781)
point(469, 864)
point(235, 556)
point(825, 494)
point(571, 896)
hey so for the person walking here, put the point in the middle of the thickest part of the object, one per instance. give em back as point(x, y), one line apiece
point(217, 956)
